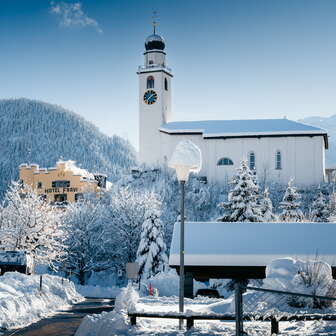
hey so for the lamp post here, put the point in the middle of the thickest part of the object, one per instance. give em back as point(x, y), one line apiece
point(185, 159)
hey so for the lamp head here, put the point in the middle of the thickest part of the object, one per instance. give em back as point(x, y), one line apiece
point(185, 159)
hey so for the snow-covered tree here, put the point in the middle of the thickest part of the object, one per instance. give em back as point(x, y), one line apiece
point(125, 215)
point(86, 238)
point(242, 205)
point(30, 224)
point(151, 254)
point(320, 211)
point(290, 205)
point(266, 207)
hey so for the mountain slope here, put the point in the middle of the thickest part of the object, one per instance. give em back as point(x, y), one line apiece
point(329, 124)
point(37, 132)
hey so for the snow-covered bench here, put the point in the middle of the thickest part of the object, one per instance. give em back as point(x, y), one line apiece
point(190, 318)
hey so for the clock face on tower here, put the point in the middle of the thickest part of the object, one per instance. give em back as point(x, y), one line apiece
point(150, 97)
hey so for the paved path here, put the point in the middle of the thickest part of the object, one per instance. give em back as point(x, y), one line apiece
point(64, 323)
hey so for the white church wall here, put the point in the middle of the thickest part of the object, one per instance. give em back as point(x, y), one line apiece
point(302, 157)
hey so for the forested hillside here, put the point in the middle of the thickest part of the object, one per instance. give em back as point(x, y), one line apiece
point(37, 132)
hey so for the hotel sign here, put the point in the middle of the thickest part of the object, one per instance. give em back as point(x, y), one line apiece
point(60, 190)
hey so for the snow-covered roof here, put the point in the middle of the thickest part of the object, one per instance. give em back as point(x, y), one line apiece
point(253, 244)
point(71, 166)
point(242, 128)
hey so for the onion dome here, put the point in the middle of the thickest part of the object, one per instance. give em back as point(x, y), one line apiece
point(154, 42)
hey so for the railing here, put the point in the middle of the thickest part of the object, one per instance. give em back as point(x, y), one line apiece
point(274, 305)
point(151, 67)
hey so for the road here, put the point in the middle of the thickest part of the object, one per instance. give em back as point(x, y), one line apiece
point(64, 323)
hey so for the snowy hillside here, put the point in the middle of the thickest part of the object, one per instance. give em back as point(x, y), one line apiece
point(37, 132)
point(329, 124)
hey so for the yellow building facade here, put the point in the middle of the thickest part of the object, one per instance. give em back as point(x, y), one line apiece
point(65, 183)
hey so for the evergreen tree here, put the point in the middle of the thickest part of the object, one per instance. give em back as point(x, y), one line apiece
point(320, 211)
point(242, 205)
point(290, 205)
point(151, 254)
point(267, 207)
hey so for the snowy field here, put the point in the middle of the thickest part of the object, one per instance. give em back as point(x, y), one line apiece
point(22, 303)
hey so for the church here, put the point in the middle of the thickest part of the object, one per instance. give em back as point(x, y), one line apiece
point(277, 149)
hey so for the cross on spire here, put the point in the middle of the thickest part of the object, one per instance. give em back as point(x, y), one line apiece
point(155, 22)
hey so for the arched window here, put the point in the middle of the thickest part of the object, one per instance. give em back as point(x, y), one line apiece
point(150, 82)
point(166, 84)
point(278, 164)
point(225, 162)
point(251, 160)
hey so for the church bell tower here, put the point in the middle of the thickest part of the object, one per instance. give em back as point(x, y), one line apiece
point(154, 98)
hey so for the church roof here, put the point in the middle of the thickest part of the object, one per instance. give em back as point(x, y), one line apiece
point(243, 128)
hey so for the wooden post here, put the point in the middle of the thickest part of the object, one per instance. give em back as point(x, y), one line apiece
point(40, 282)
point(274, 326)
point(189, 285)
point(190, 323)
point(239, 308)
point(133, 320)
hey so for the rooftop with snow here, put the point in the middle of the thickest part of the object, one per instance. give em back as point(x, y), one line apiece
point(68, 165)
point(238, 128)
point(221, 244)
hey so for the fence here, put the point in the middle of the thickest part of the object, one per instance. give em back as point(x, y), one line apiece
point(260, 304)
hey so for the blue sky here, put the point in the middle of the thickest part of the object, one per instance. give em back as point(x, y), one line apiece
point(231, 59)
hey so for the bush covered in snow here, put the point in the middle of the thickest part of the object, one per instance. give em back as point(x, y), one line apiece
point(308, 277)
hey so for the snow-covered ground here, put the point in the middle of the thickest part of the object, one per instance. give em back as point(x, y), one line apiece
point(21, 301)
point(283, 274)
point(117, 322)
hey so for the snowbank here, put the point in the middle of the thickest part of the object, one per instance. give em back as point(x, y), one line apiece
point(108, 322)
point(22, 303)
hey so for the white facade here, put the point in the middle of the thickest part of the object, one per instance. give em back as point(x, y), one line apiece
point(282, 149)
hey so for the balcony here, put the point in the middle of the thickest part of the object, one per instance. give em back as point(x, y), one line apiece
point(152, 67)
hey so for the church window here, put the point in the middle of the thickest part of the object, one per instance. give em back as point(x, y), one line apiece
point(225, 162)
point(150, 82)
point(166, 84)
point(150, 62)
point(39, 185)
point(278, 160)
point(251, 160)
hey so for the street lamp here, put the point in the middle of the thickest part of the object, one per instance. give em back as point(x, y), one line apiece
point(185, 159)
